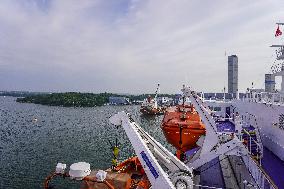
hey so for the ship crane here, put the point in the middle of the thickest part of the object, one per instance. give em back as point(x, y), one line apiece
point(150, 153)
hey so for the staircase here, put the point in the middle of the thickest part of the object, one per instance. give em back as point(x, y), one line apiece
point(251, 136)
point(250, 141)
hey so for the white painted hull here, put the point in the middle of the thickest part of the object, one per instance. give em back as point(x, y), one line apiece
point(272, 136)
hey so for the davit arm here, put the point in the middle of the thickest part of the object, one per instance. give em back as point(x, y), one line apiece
point(149, 151)
point(212, 145)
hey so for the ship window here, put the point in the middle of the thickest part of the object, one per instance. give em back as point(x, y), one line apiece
point(217, 109)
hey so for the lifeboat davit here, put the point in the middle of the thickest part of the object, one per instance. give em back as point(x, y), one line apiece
point(182, 128)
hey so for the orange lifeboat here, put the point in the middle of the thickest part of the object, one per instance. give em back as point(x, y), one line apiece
point(182, 128)
point(126, 175)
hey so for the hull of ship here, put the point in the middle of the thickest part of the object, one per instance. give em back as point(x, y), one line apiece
point(151, 111)
point(184, 141)
point(267, 117)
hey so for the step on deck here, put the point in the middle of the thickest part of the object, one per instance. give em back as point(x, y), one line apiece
point(228, 174)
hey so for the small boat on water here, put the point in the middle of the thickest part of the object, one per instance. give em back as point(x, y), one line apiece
point(182, 128)
point(150, 105)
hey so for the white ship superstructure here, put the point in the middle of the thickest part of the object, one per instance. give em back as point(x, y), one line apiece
point(264, 109)
point(269, 119)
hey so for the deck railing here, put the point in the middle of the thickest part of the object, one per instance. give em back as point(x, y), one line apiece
point(197, 186)
point(262, 180)
point(251, 120)
point(265, 97)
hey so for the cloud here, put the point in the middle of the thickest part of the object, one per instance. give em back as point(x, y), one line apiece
point(131, 45)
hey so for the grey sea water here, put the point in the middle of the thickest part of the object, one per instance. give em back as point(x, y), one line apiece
point(30, 150)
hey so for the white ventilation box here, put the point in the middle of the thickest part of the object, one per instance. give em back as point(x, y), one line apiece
point(79, 170)
point(101, 175)
point(60, 168)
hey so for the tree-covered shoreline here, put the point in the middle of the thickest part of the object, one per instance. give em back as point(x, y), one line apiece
point(76, 99)
point(68, 99)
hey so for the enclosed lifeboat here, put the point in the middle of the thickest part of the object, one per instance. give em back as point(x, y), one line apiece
point(129, 174)
point(182, 128)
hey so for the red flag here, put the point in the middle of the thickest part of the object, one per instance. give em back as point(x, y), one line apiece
point(278, 32)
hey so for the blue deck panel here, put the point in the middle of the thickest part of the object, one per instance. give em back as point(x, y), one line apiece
point(225, 126)
point(191, 152)
point(211, 174)
point(274, 167)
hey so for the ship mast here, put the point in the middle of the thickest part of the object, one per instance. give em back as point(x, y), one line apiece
point(156, 94)
point(280, 51)
point(279, 69)
point(157, 90)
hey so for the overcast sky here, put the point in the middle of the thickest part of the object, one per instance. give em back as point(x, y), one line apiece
point(129, 46)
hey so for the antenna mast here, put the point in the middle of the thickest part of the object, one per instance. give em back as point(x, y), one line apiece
point(278, 69)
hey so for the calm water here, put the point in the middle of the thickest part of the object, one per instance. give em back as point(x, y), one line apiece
point(30, 150)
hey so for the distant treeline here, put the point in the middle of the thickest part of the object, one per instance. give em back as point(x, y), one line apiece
point(143, 96)
point(76, 99)
point(68, 99)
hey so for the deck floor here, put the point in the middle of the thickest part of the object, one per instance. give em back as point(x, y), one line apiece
point(274, 167)
point(211, 174)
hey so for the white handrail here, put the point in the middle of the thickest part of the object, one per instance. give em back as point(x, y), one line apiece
point(258, 174)
point(265, 97)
